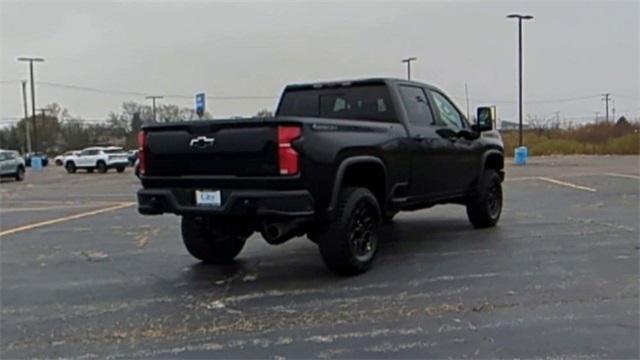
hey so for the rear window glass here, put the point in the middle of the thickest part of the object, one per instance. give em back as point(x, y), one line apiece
point(113, 151)
point(369, 102)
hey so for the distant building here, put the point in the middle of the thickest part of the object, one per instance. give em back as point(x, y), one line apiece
point(510, 125)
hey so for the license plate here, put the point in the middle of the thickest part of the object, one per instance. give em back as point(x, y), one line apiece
point(208, 197)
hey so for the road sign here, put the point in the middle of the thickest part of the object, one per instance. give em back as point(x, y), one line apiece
point(200, 104)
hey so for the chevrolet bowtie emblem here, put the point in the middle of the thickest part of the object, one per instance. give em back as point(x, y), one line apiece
point(201, 142)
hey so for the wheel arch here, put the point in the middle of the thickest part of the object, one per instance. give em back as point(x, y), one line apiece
point(493, 159)
point(355, 171)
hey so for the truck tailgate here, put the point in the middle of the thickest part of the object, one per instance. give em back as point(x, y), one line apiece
point(231, 149)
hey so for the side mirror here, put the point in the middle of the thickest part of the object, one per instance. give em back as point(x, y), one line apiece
point(486, 117)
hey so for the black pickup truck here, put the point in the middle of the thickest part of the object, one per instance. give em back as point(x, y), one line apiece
point(336, 161)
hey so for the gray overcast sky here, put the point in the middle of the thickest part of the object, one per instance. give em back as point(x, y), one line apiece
point(572, 49)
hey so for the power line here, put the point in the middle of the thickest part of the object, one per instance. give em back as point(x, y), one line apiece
point(545, 101)
point(142, 94)
point(271, 97)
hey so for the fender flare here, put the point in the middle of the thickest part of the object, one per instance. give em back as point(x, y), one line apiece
point(342, 168)
point(485, 156)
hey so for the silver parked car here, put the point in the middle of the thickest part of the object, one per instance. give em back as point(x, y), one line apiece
point(11, 165)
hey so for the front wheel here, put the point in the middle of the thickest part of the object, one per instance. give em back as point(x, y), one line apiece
point(485, 206)
point(213, 242)
point(20, 174)
point(350, 243)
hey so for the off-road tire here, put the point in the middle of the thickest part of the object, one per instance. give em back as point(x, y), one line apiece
point(349, 244)
point(70, 166)
point(485, 205)
point(101, 167)
point(213, 242)
point(20, 173)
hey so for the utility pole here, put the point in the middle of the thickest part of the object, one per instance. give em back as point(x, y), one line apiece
point(606, 97)
point(153, 101)
point(520, 18)
point(597, 114)
point(613, 110)
point(26, 114)
point(466, 94)
point(557, 119)
point(31, 60)
point(408, 62)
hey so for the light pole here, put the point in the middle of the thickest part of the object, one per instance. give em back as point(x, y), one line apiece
point(408, 62)
point(153, 101)
point(31, 60)
point(26, 114)
point(520, 18)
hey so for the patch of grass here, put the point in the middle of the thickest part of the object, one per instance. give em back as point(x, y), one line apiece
point(595, 139)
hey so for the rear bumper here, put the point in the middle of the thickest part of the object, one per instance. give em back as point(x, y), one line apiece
point(234, 203)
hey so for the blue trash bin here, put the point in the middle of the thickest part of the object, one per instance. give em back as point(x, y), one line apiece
point(521, 155)
point(36, 163)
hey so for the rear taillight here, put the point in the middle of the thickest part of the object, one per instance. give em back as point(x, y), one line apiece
point(142, 149)
point(288, 156)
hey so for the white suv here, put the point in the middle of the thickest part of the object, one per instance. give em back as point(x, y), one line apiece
point(97, 158)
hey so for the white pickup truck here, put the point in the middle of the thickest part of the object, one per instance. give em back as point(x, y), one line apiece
point(97, 158)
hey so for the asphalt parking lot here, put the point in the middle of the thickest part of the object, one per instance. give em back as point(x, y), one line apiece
point(83, 275)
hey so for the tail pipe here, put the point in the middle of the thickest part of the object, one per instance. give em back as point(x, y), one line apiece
point(276, 233)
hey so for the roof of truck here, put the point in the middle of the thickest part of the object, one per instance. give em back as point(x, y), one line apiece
point(345, 83)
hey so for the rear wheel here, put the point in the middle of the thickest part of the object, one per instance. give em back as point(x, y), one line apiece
point(70, 167)
point(213, 242)
point(350, 243)
point(20, 173)
point(102, 167)
point(484, 207)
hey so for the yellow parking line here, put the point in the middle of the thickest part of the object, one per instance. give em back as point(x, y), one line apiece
point(53, 207)
point(65, 218)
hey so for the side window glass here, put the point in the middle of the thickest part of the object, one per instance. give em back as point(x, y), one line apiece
point(448, 112)
point(417, 106)
point(339, 105)
point(3, 156)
